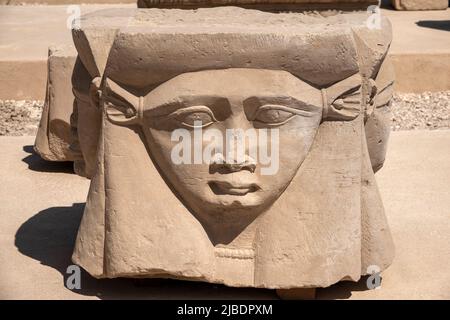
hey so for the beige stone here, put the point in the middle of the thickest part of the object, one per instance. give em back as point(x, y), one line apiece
point(378, 124)
point(85, 121)
point(67, 107)
point(273, 5)
point(54, 137)
point(420, 4)
point(316, 221)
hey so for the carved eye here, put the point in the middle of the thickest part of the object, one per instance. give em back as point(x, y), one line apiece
point(273, 115)
point(120, 112)
point(194, 117)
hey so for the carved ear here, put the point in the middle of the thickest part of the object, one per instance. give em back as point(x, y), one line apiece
point(342, 101)
point(121, 106)
point(385, 95)
point(94, 91)
point(385, 83)
point(372, 90)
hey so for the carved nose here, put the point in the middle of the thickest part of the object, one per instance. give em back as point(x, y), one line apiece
point(222, 164)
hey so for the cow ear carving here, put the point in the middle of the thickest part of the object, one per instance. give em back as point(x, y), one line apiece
point(384, 96)
point(370, 99)
point(342, 101)
point(121, 107)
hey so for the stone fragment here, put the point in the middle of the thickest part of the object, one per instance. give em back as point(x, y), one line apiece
point(273, 5)
point(411, 5)
point(378, 123)
point(54, 135)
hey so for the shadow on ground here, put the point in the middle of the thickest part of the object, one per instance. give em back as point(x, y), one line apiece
point(49, 237)
point(344, 289)
point(36, 163)
point(386, 4)
point(435, 24)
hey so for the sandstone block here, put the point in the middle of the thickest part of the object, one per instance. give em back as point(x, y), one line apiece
point(420, 4)
point(272, 5)
point(54, 135)
point(316, 81)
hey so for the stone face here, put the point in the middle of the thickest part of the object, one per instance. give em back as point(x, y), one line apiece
point(316, 83)
point(54, 136)
point(420, 4)
point(260, 4)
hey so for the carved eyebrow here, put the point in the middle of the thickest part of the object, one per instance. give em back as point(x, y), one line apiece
point(219, 106)
point(284, 108)
point(253, 104)
point(287, 101)
point(181, 111)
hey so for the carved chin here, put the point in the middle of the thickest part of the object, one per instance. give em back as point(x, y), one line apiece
point(250, 204)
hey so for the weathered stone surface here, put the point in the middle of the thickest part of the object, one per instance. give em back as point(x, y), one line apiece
point(378, 124)
point(260, 4)
point(54, 136)
point(85, 121)
point(68, 130)
point(420, 4)
point(317, 220)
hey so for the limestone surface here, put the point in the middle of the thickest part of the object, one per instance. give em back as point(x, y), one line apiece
point(318, 80)
point(54, 137)
point(273, 5)
point(420, 4)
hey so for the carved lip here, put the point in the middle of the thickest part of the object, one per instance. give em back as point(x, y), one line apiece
point(235, 189)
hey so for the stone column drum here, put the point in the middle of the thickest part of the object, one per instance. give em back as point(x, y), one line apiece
point(150, 81)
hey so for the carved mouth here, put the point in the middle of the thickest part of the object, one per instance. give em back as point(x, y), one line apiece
point(227, 188)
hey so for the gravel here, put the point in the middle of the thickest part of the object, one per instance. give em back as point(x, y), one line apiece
point(19, 118)
point(428, 110)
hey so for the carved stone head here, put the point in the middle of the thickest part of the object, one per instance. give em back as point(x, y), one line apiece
point(276, 113)
point(179, 200)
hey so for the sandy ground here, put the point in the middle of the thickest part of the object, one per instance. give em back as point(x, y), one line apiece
point(42, 204)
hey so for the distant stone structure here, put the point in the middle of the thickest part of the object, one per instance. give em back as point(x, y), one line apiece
point(420, 4)
point(54, 137)
point(271, 5)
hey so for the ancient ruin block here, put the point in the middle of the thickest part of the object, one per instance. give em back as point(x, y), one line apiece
point(420, 4)
point(314, 82)
point(54, 136)
point(272, 5)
